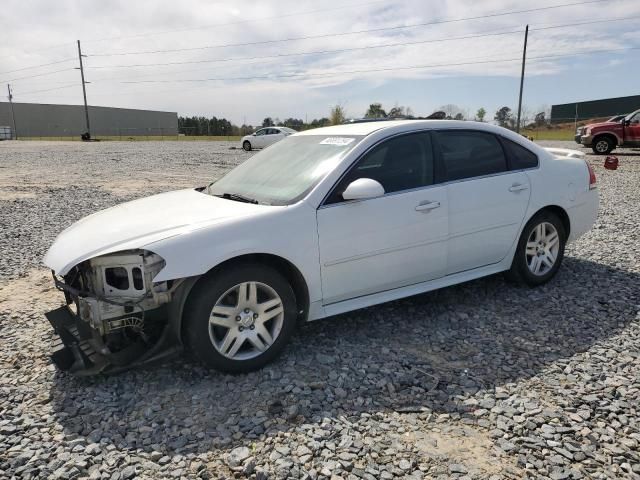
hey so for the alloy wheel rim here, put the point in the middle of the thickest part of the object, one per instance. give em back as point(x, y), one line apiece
point(542, 249)
point(602, 146)
point(246, 320)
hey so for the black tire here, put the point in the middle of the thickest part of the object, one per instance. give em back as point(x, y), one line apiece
point(205, 295)
point(603, 145)
point(246, 146)
point(520, 271)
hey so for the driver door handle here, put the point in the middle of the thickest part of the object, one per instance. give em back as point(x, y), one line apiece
point(518, 187)
point(427, 206)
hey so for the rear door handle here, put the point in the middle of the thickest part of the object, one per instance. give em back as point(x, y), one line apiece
point(427, 206)
point(518, 187)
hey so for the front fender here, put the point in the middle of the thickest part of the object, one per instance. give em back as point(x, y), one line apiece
point(290, 234)
point(607, 132)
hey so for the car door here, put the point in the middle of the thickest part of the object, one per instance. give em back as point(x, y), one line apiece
point(259, 138)
point(272, 136)
point(632, 131)
point(398, 239)
point(487, 201)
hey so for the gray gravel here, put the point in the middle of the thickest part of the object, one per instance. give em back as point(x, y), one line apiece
point(481, 380)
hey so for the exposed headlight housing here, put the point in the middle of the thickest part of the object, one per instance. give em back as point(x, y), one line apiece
point(113, 291)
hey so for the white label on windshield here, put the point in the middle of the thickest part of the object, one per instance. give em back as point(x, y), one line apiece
point(337, 141)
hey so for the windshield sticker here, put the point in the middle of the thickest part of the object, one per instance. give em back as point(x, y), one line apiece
point(341, 141)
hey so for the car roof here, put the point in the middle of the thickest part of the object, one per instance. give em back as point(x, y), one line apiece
point(367, 128)
point(362, 128)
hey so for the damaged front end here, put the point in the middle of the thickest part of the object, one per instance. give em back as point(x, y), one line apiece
point(115, 316)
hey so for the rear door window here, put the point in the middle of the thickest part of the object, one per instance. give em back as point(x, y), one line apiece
point(519, 156)
point(468, 154)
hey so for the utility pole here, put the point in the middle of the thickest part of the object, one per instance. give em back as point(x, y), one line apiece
point(524, 59)
point(13, 115)
point(84, 91)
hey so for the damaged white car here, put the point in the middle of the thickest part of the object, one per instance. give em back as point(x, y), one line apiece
point(323, 222)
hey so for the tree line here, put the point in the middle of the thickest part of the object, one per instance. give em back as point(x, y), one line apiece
point(214, 126)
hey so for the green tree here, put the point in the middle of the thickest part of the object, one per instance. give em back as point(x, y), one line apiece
point(337, 115)
point(504, 117)
point(268, 122)
point(540, 119)
point(294, 123)
point(322, 122)
point(400, 111)
point(375, 111)
point(480, 114)
point(451, 111)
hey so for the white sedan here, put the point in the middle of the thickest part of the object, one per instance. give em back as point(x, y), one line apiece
point(324, 222)
point(264, 137)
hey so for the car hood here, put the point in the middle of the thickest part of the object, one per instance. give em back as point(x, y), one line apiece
point(602, 124)
point(139, 223)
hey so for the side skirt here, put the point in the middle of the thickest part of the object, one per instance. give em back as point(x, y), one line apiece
point(318, 311)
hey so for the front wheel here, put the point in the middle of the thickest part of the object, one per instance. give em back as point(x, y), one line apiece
point(240, 318)
point(246, 146)
point(603, 145)
point(540, 250)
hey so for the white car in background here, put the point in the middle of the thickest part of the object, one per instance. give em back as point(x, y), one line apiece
point(324, 222)
point(265, 136)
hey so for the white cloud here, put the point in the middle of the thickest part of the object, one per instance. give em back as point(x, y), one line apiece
point(34, 30)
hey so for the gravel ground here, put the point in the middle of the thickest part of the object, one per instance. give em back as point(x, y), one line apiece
point(481, 380)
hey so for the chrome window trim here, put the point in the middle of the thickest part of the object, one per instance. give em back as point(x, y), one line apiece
point(426, 187)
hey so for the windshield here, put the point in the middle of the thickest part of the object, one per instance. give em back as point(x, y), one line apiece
point(286, 171)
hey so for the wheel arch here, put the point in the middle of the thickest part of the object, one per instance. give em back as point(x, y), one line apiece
point(610, 135)
point(561, 213)
point(291, 273)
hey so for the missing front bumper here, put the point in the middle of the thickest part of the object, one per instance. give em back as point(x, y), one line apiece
point(74, 350)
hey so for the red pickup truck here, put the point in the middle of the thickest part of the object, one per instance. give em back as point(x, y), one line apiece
point(604, 137)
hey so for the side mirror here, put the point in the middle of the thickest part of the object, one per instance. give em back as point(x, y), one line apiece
point(363, 188)
point(626, 123)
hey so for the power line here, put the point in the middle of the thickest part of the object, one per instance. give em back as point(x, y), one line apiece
point(46, 49)
point(238, 22)
point(399, 27)
point(37, 75)
point(47, 89)
point(368, 47)
point(317, 52)
point(37, 66)
point(385, 69)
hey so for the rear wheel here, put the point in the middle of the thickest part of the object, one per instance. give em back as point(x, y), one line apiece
point(241, 318)
point(603, 145)
point(246, 146)
point(540, 250)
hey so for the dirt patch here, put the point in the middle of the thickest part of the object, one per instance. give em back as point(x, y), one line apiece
point(8, 196)
point(460, 445)
point(146, 185)
point(36, 287)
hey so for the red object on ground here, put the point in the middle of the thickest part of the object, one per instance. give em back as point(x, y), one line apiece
point(611, 163)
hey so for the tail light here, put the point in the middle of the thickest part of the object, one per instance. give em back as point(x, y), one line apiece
point(592, 176)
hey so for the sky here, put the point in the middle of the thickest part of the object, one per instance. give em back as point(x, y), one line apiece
point(245, 60)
